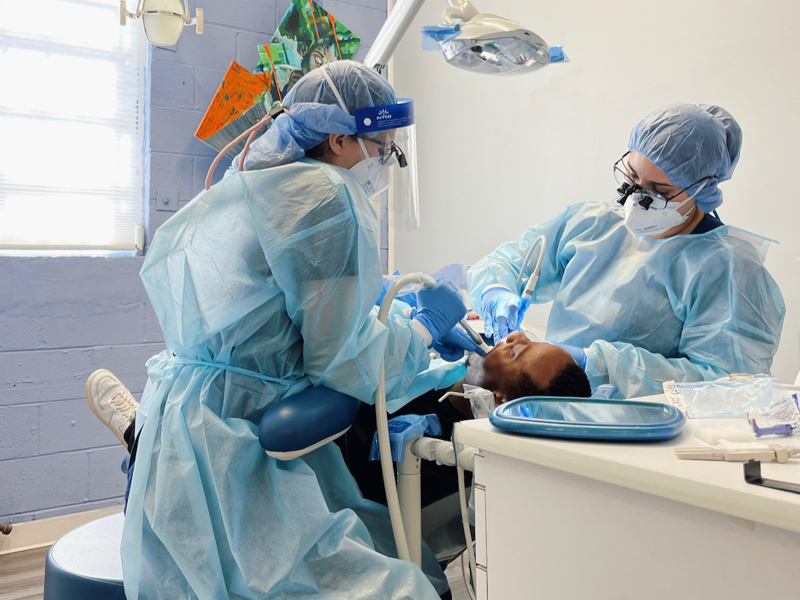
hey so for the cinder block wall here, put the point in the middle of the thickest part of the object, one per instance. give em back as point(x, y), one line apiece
point(62, 318)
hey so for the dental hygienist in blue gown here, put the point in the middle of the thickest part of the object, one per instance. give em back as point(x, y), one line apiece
point(652, 287)
point(263, 286)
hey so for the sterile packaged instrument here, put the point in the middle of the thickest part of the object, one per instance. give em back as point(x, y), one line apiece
point(727, 397)
point(781, 417)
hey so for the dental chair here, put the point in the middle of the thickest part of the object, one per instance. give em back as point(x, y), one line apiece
point(316, 416)
point(301, 423)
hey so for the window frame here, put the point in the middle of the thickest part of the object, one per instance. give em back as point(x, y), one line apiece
point(140, 56)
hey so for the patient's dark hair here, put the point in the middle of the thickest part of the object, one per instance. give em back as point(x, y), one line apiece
point(570, 381)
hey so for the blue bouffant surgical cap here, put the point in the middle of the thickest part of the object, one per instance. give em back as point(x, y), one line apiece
point(690, 142)
point(316, 113)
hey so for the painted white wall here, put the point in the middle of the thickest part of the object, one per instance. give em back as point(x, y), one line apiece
point(497, 155)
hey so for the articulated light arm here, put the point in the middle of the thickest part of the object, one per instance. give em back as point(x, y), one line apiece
point(393, 30)
point(483, 43)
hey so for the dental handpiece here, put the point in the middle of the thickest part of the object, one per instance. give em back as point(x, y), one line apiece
point(474, 335)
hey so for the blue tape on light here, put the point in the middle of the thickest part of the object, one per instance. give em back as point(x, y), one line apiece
point(433, 35)
point(557, 54)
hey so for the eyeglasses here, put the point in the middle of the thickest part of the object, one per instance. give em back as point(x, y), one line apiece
point(388, 150)
point(650, 199)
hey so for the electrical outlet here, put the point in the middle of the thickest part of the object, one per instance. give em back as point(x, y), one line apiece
point(167, 200)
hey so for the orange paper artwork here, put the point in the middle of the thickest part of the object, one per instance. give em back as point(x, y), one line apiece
point(238, 91)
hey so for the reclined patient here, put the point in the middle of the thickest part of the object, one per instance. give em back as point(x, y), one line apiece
point(516, 367)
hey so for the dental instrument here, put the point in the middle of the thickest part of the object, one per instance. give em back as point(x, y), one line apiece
point(752, 475)
point(384, 444)
point(527, 292)
point(740, 452)
point(474, 335)
point(403, 494)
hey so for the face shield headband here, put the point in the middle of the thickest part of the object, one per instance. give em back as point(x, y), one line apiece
point(391, 128)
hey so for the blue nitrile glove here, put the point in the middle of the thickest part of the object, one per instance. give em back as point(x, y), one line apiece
point(579, 354)
point(499, 309)
point(440, 308)
point(453, 344)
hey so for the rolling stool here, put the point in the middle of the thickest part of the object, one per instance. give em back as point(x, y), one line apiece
point(85, 563)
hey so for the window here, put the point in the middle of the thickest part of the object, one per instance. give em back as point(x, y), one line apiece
point(72, 97)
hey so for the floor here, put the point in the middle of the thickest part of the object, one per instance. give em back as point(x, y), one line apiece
point(22, 576)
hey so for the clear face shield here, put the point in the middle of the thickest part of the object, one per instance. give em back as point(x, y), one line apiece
point(388, 133)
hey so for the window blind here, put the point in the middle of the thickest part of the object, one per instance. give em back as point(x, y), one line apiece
point(72, 98)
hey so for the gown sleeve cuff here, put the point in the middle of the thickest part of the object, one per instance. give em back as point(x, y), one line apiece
point(423, 331)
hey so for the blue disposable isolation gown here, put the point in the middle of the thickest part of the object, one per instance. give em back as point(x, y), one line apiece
point(687, 308)
point(263, 286)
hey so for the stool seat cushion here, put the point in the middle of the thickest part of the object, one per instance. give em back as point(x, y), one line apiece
point(85, 563)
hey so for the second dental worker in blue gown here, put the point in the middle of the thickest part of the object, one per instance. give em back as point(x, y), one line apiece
point(263, 286)
point(646, 294)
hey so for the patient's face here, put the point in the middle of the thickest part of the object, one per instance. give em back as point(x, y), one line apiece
point(510, 358)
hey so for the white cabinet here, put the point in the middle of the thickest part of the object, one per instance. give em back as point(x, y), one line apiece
point(565, 520)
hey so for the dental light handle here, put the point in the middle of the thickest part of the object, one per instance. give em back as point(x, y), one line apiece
point(382, 423)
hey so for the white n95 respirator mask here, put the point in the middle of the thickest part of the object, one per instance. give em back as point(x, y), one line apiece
point(373, 174)
point(643, 222)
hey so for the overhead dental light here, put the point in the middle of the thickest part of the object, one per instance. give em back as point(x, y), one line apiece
point(479, 42)
point(163, 20)
point(491, 44)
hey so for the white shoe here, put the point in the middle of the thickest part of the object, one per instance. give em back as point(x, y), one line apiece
point(111, 402)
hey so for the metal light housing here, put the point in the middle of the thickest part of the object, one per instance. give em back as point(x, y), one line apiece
point(485, 43)
point(163, 20)
point(492, 44)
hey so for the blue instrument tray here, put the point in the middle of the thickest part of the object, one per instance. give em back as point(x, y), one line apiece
point(589, 419)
